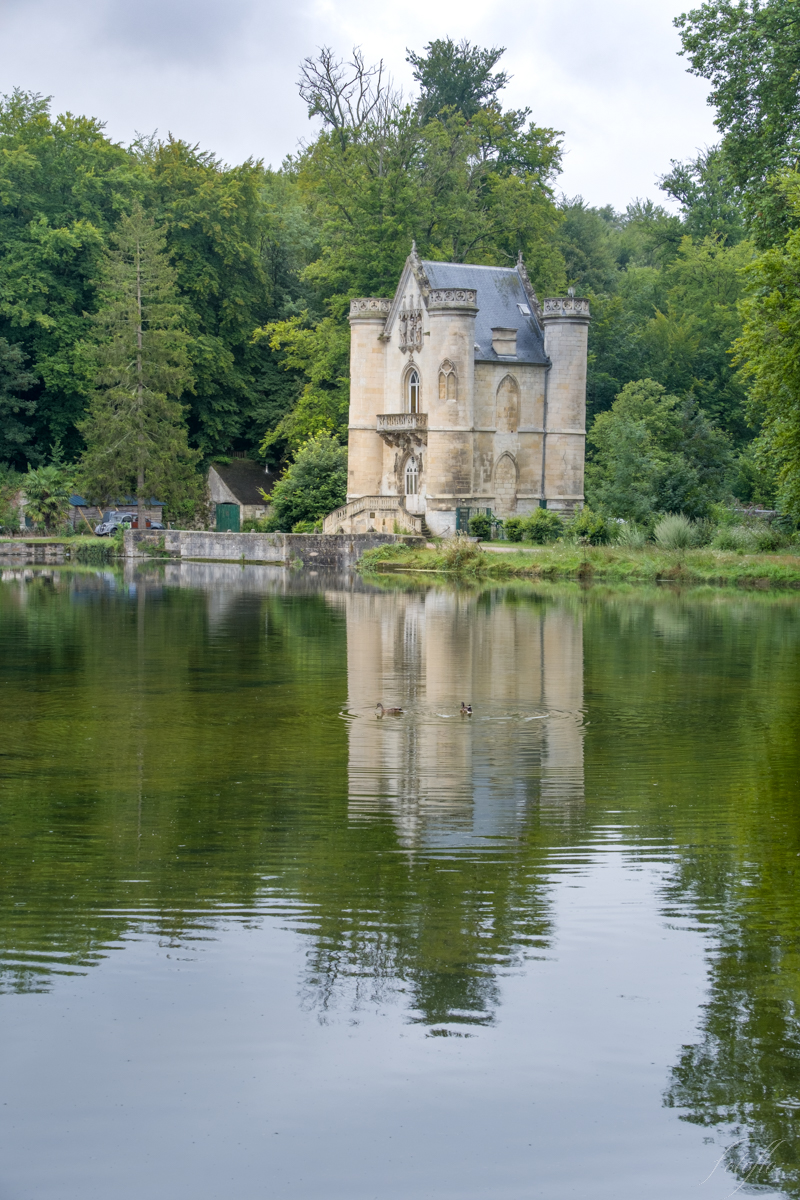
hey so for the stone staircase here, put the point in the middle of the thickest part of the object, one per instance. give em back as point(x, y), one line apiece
point(374, 513)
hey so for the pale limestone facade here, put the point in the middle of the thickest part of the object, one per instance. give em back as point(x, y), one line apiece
point(464, 394)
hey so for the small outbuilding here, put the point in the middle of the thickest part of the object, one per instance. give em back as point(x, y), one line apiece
point(235, 489)
point(83, 514)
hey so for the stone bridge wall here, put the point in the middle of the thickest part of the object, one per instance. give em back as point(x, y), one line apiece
point(308, 548)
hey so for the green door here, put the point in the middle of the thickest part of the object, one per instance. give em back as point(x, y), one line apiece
point(227, 518)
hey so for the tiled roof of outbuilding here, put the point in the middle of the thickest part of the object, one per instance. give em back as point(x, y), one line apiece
point(244, 477)
point(501, 299)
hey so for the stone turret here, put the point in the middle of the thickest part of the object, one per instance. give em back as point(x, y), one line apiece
point(566, 331)
point(365, 449)
point(451, 352)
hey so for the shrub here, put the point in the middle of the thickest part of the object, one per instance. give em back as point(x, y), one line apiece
point(95, 553)
point(674, 532)
point(461, 555)
point(630, 535)
point(733, 537)
point(480, 526)
point(47, 492)
point(9, 518)
point(704, 531)
point(256, 525)
point(543, 526)
point(307, 526)
point(723, 515)
point(749, 539)
point(515, 529)
point(767, 537)
point(388, 550)
point(314, 484)
point(588, 526)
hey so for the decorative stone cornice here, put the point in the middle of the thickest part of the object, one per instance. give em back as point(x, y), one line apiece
point(527, 287)
point(453, 299)
point(369, 308)
point(566, 308)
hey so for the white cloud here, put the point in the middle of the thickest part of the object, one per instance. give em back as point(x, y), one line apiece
point(223, 73)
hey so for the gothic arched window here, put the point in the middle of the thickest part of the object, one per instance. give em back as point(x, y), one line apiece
point(412, 476)
point(448, 389)
point(412, 384)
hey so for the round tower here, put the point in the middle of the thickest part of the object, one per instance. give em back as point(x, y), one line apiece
point(451, 355)
point(566, 334)
point(367, 350)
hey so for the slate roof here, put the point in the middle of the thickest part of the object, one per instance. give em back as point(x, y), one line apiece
point(244, 477)
point(500, 292)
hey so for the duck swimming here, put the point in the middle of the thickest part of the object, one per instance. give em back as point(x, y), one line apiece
point(466, 709)
point(380, 711)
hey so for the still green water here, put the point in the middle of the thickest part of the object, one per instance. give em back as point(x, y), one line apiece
point(255, 942)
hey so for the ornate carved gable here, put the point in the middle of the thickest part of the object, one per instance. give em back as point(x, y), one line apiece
point(407, 306)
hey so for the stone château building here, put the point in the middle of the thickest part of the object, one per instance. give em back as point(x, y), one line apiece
point(465, 395)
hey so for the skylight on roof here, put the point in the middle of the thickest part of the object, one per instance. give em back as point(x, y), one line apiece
point(523, 308)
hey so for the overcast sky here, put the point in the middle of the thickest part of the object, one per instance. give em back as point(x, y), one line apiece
point(223, 72)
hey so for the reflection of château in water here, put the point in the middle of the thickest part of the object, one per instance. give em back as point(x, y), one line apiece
point(447, 780)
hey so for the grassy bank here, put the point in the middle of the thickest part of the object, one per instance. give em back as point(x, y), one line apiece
point(609, 563)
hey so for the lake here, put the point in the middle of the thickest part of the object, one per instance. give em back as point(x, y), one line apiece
point(256, 942)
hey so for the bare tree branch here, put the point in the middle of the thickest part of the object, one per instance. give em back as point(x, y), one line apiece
point(346, 94)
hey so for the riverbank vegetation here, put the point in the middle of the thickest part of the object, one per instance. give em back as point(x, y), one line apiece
point(609, 563)
point(694, 313)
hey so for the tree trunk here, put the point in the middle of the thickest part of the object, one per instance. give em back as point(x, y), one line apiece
point(140, 494)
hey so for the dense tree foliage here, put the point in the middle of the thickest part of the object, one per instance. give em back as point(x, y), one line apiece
point(63, 185)
point(314, 484)
point(655, 453)
point(15, 381)
point(459, 77)
point(135, 432)
point(749, 51)
point(237, 237)
point(769, 348)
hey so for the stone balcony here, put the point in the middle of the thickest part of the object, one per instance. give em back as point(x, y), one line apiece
point(403, 429)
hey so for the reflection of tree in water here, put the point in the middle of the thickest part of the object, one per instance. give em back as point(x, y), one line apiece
point(742, 1078)
point(439, 932)
point(724, 683)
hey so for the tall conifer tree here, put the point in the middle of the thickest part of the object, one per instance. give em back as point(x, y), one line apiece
point(135, 430)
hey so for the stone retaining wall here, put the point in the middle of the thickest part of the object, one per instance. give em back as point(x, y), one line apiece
point(19, 550)
point(310, 549)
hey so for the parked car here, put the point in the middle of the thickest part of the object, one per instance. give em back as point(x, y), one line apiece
point(148, 523)
point(112, 521)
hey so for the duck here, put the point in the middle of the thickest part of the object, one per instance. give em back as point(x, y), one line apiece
point(380, 711)
point(466, 709)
